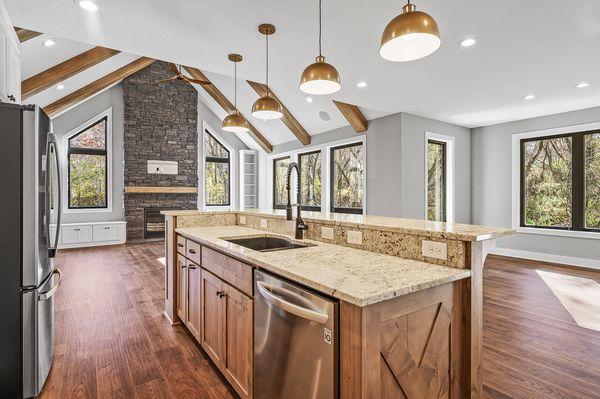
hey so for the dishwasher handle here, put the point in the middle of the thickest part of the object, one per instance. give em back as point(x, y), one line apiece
point(309, 314)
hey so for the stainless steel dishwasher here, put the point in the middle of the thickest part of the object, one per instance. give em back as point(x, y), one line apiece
point(295, 341)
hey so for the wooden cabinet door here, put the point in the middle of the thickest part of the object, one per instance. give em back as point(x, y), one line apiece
point(212, 317)
point(181, 286)
point(239, 350)
point(194, 311)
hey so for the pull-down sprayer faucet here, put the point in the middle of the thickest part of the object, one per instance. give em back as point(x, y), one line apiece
point(300, 225)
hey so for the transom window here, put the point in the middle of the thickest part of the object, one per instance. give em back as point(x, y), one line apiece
point(310, 180)
point(87, 167)
point(560, 182)
point(436, 180)
point(347, 178)
point(217, 164)
point(280, 167)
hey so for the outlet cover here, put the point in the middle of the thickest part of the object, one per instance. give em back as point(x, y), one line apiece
point(354, 237)
point(263, 223)
point(327, 233)
point(242, 219)
point(433, 249)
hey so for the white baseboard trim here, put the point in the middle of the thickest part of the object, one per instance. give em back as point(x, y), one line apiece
point(565, 260)
point(90, 244)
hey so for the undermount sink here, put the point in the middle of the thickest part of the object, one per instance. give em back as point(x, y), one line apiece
point(265, 243)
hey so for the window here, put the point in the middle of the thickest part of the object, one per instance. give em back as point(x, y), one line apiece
point(280, 167)
point(347, 178)
point(560, 182)
point(216, 172)
point(436, 181)
point(310, 180)
point(87, 167)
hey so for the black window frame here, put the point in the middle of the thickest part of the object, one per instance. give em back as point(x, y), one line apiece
point(309, 207)
point(577, 181)
point(333, 208)
point(275, 205)
point(444, 179)
point(89, 151)
point(218, 160)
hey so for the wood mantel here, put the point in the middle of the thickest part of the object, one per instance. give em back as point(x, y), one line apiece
point(160, 190)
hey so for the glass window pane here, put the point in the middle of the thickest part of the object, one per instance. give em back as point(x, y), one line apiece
point(347, 177)
point(216, 179)
point(214, 149)
point(87, 177)
point(280, 167)
point(93, 137)
point(592, 181)
point(547, 172)
point(310, 183)
point(436, 181)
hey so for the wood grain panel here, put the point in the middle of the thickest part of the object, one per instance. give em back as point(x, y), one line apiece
point(25, 34)
point(66, 69)
point(97, 86)
point(212, 318)
point(194, 313)
point(213, 261)
point(288, 119)
point(228, 107)
point(353, 115)
point(193, 251)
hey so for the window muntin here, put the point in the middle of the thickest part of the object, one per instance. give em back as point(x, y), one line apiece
point(436, 181)
point(310, 180)
point(216, 172)
point(87, 167)
point(280, 167)
point(592, 181)
point(347, 168)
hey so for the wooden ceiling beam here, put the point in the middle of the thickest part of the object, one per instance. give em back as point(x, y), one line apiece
point(224, 103)
point(97, 86)
point(25, 34)
point(288, 119)
point(64, 70)
point(353, 115)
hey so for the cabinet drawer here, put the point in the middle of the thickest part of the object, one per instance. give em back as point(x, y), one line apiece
point(192, 251)
point(181, 245)
point(230, 270)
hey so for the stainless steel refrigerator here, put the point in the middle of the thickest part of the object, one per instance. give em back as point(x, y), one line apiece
point(30, 203)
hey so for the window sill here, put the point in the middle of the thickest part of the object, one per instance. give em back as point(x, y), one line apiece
point(89, 210)
point(559, 233)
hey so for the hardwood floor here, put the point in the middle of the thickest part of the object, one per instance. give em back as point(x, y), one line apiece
point(113, 342)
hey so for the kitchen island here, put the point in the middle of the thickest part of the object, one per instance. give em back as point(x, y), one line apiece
point(409, 292)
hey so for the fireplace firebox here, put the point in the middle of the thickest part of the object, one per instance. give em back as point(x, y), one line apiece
point(154, 221)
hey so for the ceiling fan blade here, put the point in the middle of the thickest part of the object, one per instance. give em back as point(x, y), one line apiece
point(174, 69)
point(200, 82)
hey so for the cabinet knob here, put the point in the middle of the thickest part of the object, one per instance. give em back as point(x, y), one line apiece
point(220, 294)
point(12, 98)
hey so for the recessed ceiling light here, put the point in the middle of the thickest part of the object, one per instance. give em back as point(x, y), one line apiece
point(468, 42)
point(529, 97)
point(60, 86)
point(88, 5)
point(309, 99)
point(581, 85)
point(361, 84)
point(48, 42)
point(324, 116)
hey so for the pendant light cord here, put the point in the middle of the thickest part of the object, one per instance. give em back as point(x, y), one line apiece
point(320, 28)
point(235, 86)
point(267, 77)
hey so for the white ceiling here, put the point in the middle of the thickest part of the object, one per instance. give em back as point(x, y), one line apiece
point(536, 46)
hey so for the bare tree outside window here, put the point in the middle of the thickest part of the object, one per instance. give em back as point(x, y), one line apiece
point(347, 178)
point(280, 167)
point(216, 172)
point(436, 181)
point(592, 181)
point(310, 180)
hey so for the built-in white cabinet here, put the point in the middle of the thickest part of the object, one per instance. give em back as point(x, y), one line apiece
point(70, 235)
point(73, 235)
point(248, 179)
point(107, 232)
point(10, 60)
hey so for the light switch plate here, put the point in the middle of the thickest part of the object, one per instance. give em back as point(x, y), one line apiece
point(263, 223)
point(433, 249)
point(354, 237)
point(242, 219)
point(327, 233)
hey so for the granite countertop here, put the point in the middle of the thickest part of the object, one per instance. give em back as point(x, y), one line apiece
point(352, 275)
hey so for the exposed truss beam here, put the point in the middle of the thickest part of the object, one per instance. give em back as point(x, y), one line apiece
point(216, 94)
point(353, 115)
point(64, 70)
point(97, 86)
point(25, 34)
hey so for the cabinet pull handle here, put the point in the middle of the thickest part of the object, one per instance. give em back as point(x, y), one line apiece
point(180, 245)
point(192, 251)
point(220, 294)
point(183, 266)
point(192, 267)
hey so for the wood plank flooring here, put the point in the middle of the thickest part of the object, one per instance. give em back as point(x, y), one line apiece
point(112, 340)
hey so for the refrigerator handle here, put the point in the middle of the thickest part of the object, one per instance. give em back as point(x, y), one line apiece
point(43, 296)
point(52, 148)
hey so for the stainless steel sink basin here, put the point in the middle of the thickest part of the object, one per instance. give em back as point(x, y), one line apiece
point(265, 243)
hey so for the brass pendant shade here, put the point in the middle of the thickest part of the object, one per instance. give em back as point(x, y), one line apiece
point(235, 122)
point(267, 107)
point(410, 36)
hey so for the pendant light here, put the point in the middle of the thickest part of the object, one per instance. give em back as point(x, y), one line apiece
point(267, 107)
point(235, 122)
point(320, 77)
point(411, 35)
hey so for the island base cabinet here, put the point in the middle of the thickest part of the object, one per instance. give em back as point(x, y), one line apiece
point(181, 287)
point(212, 318)
point(193, 318)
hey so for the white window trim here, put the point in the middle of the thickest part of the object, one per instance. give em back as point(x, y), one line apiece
point(233, 167)
point(64, 164)
point(450, 173)
point(516, 180)
point(325, 149)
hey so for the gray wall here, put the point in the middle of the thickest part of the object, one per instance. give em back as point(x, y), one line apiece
point(491, 183)
point(64, 123)
point(396, 163)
